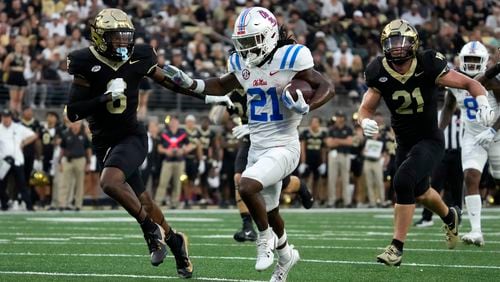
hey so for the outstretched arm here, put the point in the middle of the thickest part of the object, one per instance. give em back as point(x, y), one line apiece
point(324, 91)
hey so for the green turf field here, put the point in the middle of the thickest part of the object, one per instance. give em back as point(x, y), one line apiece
point(333, 245)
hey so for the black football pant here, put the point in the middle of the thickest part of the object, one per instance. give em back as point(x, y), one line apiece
point(20, 181)
point(449, 176)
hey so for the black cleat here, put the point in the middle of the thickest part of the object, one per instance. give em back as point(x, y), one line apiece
point(243, 235)
point(305, 196)
point(181, 254)
point(156, 245)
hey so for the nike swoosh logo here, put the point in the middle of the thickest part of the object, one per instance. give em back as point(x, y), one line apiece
point(133, 62)
point(418, 74)
point(273, 73)
point(248, 232)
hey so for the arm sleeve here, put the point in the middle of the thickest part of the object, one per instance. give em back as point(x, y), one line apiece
point(79, 105)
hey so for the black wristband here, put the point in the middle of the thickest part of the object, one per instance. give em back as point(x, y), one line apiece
point(493, 71)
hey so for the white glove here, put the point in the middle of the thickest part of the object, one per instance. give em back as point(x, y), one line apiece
point(369, 126)
point(116, 88)
point(209, 99)
point(322, 169)
point(485, 114)
point(484, 138)
point(178, 76)
point(241, 131)
point(37, 165)
point(201, 167)
point(300, 106)
point(302, 168)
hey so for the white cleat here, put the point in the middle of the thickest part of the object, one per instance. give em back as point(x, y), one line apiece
point(473, 238)
point(265, 251)
point(281, 271)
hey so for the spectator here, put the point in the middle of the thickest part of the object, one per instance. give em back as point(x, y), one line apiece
point(413, 16)
point(373, 170)
point(74, 161)
point(13, 75)
point(493, 20)
point(343, 52)
point(56, 26)
point(13, 138)
point(339, 142)
point(331, 7)
point(173, 142)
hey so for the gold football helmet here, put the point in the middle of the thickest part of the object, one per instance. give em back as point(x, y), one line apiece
point(399, 41)
point(39, 178)
point(113, 34)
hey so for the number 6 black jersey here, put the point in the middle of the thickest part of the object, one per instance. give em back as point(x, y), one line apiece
point(411, 97)
point(115, 119)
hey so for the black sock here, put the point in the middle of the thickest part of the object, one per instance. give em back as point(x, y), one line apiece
point(172, 240)
point(449, 219)
point(147, 225)
point(398, 244)
point(247, 220)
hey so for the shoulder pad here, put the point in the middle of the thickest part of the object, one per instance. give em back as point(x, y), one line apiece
point(295, 57)
point(234, 63)
point(77, 60)
point(372, 71)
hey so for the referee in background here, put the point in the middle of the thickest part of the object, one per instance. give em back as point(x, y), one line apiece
point(448, 174)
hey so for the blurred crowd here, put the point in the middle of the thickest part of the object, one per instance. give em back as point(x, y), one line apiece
point(342, 168)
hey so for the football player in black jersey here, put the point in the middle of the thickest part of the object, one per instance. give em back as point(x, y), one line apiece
point(406, 79)
point(105, 92)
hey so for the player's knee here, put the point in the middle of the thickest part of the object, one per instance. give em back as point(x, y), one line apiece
point(249, 187)
point(472, 178)
point(272, 213)
point(110, 182)
point(404, 186)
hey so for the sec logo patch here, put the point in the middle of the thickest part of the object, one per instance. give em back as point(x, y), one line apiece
point(245, 73)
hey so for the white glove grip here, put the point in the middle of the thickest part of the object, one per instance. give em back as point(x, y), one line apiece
point(482, 100)
point(200, 86)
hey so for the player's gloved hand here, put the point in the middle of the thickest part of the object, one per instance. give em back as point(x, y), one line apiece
point(202, 167)
point(209, 99)
point(178, 76)
point(302, 168)
point(484, 138)
point(322, 169)
point(300, 106)
point(116, 88)
point(485, 114)
point(241, 131)
point(369, 126)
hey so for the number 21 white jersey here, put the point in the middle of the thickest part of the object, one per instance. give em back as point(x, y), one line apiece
point(271, 123)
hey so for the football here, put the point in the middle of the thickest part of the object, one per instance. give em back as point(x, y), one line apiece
point(304, 86)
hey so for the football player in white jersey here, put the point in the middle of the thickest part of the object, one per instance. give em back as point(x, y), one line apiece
point(480, 142)
point(265, 61)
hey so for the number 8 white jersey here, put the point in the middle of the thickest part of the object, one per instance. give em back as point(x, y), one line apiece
point(468, 109)
point(271, 123)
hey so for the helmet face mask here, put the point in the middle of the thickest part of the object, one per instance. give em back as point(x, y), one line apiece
point(113, 34)
point(473, 58)
point(255, 35)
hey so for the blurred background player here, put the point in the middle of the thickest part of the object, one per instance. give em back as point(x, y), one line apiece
point(266, 60)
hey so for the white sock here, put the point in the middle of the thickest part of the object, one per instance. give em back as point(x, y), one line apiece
point(284, 254)
point(473, 204)
point(266, 233)
point(283, 239)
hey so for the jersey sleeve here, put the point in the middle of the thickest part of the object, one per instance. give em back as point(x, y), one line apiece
point(76, 64)
point(234, 63)
point(435, 64)
point(297, 58)
point(371, 74)
point(147, 57)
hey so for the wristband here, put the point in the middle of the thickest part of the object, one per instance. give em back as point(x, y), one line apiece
point(200, 86)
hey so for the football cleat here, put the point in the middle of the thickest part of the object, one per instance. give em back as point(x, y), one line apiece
point(243, 235)
point(265, 251)
point(473, 238)
point(156, 245)
point(181, 254)
point(391, 256)
point(424, 223)
point(305, 197)
point(280, 272)
point(452, 234)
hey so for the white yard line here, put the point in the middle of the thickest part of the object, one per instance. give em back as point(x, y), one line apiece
point(31, 273)
point(253, 258)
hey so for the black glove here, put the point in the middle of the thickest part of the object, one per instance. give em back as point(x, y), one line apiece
point(9, 160)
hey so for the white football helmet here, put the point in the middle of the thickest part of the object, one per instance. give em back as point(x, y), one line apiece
point(255, 34)
point(473, 58)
